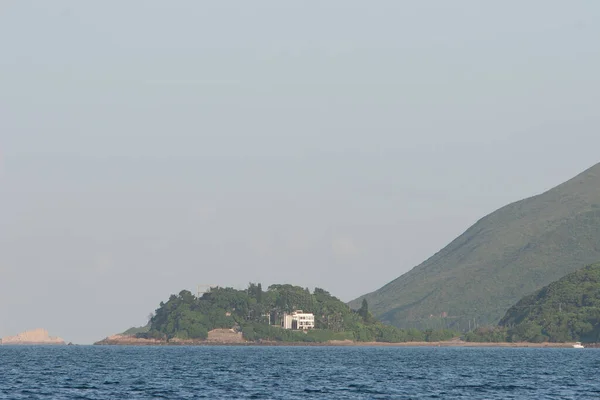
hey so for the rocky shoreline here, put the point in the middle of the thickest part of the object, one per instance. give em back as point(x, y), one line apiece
point(215, 337)
point(225, 337)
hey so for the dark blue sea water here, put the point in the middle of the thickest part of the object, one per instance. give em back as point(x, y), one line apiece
point(87, 372)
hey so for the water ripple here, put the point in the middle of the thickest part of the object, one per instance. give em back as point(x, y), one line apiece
point(91, 373)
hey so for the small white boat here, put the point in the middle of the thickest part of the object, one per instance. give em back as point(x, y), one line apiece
point(578, 345)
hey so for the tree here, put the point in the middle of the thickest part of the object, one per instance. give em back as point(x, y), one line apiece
point(197, 332)
point(363, 311)
point(248, 332)
point(259, 294)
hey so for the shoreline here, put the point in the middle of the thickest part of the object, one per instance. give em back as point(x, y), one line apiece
point(131, 341)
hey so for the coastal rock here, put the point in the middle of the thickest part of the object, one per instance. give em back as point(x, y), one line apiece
point(216, 336)
point(127, 340)
point(36, 336)
point(225, 336)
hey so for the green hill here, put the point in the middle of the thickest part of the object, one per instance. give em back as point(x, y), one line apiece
point(258, 314)
point(504, 256)
point(565, 310)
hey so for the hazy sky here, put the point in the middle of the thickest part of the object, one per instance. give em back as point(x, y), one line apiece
point(150, 146)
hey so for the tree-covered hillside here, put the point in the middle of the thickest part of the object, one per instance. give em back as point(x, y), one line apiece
point(257, 314)
point(565, 310)
point(504, 256)
point(135, 330)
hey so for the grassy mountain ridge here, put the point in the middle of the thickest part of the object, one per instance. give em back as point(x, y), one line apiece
point(502, 257)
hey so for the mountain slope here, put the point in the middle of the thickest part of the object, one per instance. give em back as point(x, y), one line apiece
point(504, 256)
point(565, 310)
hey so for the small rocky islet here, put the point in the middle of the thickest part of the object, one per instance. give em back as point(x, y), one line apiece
point(32, 337)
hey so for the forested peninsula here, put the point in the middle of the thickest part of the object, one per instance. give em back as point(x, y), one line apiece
point(258, 316)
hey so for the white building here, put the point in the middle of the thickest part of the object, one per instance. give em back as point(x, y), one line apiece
point(298, 320)
point(286, 322)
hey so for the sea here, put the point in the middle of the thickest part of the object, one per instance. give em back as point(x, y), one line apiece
point(98, 372)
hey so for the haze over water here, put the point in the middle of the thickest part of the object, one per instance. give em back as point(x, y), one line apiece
point(150, 146)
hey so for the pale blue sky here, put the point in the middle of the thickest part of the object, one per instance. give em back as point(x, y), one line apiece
point(149, 146)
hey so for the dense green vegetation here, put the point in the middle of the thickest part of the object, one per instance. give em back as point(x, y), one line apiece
point(504, 256)
point(566, 310)
point(257, 314)
point(487, 334)
point(135, 330)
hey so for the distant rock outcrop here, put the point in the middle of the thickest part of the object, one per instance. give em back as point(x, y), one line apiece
point(36, 336)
